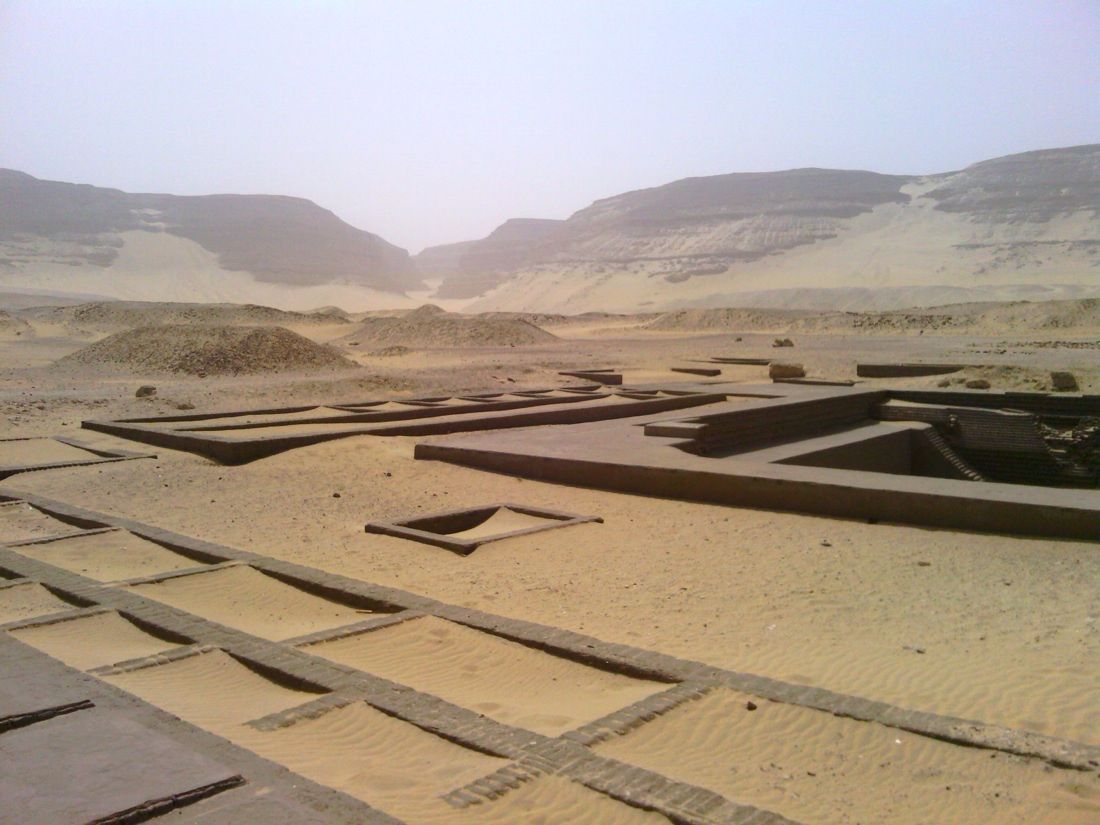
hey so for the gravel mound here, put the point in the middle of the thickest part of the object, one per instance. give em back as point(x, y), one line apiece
point(207, 350)
point(430, 326)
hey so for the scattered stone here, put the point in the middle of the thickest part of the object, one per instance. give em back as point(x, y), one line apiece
point(944, 382)
point(826, 543)
point(780, 370)
point(913, 648)
point(782, 342)
point(978, 384)
point(186, 405)
point(336, 495)
point(145, 391)
point(924, 564)
point(1063, 382)
point(750, 705)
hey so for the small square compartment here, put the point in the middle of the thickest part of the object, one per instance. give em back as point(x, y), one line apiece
point(463, 531)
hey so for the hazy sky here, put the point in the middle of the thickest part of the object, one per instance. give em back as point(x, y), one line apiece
point(431, 122)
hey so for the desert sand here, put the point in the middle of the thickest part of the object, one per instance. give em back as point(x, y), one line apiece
point(109, 556)
point(27, 600)
point(93, 641)
point(251, 601)
point(997, 628)
point(501, 679)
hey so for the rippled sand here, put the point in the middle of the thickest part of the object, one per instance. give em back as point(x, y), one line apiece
point(511, 683)
point(549, 800)
point(384, 761)
point(801, 763)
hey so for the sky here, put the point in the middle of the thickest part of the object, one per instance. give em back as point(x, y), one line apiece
point(433, 122)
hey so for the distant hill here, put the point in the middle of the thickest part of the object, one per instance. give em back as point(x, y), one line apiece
point(76, 237)
point(472, 267)
point(1025, 226)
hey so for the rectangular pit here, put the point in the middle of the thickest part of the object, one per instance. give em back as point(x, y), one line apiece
point(93, 641)
point(29, 600)
point(109, 555)
point(377, 758)
point(463, 531)
point(247, 599)
point(213, 690)
point(20, 521)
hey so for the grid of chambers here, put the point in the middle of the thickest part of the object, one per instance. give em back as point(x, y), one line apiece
point(423, 716)
point(263, 659)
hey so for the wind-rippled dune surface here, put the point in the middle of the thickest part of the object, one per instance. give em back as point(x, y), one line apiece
point(815, 767)
point(93, 641)
point(254, 602)
point(1056, 699)
point(109, 556)
point(505, 680)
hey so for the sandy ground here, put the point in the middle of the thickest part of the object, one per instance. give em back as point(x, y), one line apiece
point(251, 601)
point(109, 556)
point(27, 600)
point(501, 679)
point(93, 641)
point(777, 756)
point(39, 451)
point(1009, 627)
